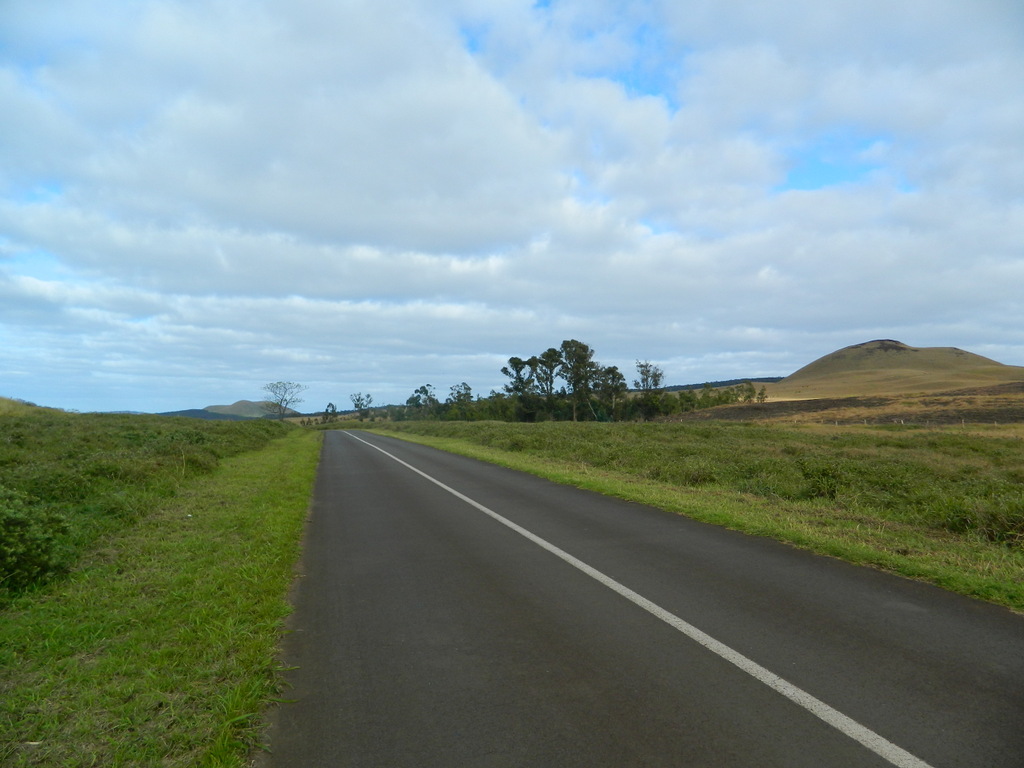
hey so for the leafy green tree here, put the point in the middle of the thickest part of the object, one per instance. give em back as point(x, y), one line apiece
point(497, 406)
point(650, 376)
point(610, 388)
point(423, 401)
point(687, 400)
point(522, 386)
point(521, 377)
point(459, 402)
point(708, 397)
point(649, 401)
point(578, 370)
point(546, 369)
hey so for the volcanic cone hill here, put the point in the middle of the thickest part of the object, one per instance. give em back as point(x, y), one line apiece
point(888, 367)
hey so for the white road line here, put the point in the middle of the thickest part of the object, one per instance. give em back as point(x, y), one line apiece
point(865, 736)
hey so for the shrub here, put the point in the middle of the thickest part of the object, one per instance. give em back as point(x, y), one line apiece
point(31, 542)
point(67, 478)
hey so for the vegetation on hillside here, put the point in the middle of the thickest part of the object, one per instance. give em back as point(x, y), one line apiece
point(64, 478)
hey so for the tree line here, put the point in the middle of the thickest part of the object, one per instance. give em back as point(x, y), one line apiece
point(563, 383)
point(566, 383)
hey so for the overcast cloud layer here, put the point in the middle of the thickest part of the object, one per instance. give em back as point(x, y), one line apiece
point(198, 197)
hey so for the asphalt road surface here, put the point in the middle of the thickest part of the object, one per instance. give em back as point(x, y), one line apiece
point(453, 613)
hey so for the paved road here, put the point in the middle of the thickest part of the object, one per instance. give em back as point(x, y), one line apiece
point(458, 614)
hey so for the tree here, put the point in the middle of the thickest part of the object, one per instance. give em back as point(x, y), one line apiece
point(423, 400)
point(651, 376)
point(520, 374)
point(281, 396)
point(459, 402)
point(522, 387)
point(610, 386)
point(330, 414)
point(649, 385)
point(361, 403)
point(578, 369)
point(546, 368)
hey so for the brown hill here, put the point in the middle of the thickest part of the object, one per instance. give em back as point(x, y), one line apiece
point(887, 367)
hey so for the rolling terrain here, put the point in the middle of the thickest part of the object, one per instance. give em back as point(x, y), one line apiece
point(886, 381)
point(242, 409)
point(887, 367)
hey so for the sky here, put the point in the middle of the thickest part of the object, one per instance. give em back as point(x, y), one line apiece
point(198, 197)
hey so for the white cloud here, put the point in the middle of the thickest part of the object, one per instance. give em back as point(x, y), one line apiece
point(371, 196)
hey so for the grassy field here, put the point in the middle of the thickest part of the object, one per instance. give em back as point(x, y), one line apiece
point(66, 478)
point(154, 644)
point(943, 505)
point(147, 634)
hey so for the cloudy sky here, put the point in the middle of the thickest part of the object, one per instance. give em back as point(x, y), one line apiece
point(201, 196)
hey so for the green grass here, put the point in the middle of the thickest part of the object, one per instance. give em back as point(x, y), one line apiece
point(65, 478)
point(942, 505)
point(158, 649)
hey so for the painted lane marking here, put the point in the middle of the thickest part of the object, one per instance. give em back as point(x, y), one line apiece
point(882, 747)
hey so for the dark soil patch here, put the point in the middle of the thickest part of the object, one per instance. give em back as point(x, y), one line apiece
point(1000, 404)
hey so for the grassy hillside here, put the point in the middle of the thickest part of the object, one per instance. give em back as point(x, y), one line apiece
point(66, 478)
point(9, 407)
point(244, 408)
point(886, 367)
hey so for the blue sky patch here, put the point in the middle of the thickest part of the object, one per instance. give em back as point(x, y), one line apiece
point(39, 264)
point(834, 159)
point(474, 37)
point(40, 192)
point(656, 66)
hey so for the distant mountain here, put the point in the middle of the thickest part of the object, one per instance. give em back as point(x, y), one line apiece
point(885, 366)
point(244, 408)
point(202, 413)
point(240, 410)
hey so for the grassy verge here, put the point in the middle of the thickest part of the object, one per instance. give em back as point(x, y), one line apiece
point(66, 479)
point(941, 506)
point(159, 647)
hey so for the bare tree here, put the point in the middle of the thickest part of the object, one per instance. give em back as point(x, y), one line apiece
point(362, 404)
point(281, 396)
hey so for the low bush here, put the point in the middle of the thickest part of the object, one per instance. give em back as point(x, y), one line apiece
point(65, 478)
point(31, 541)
